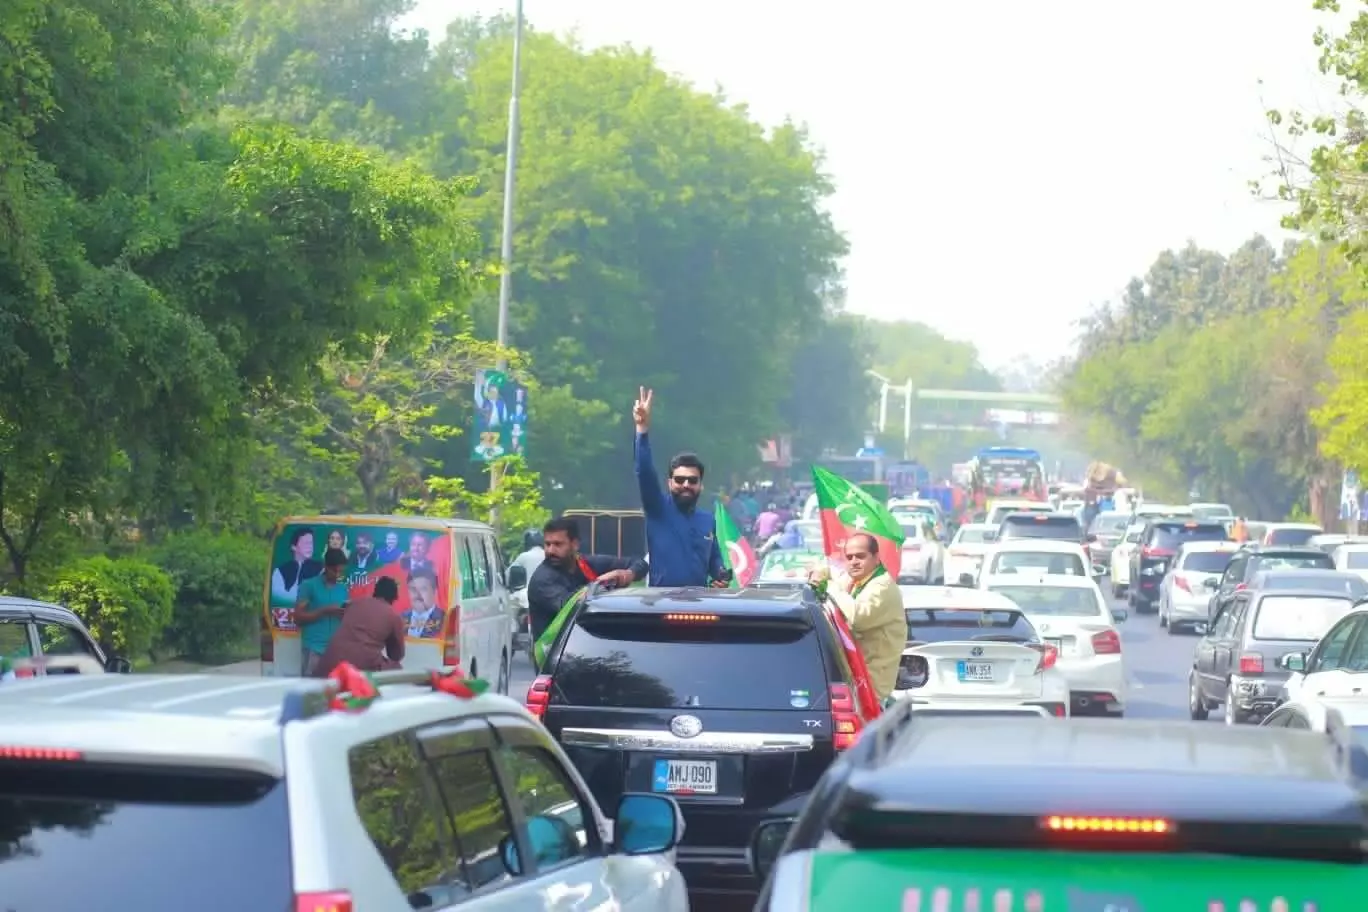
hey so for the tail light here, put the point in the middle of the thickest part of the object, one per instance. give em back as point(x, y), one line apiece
point(1108, 642)
point(451, 637)
point(1240, 586)
point(12, 752)
point(336, 901)
point(845, 721)
point(1251, 663)
point(1156, 552)
point(1049, 655)
point(539, 695)
point(1182, 584)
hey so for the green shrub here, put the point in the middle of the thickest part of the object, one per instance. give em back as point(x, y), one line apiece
point(218, 579)
point(126, 603)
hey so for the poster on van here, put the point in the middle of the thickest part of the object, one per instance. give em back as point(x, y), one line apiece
point(419, 560)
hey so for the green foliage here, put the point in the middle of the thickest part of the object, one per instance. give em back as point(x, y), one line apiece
point(514, 502)
point(218, 585)
point(125, 602)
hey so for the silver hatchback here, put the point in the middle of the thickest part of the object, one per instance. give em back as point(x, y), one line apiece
point(1185, 593)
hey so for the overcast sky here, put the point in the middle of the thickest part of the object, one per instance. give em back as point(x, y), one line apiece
point(1001, 165)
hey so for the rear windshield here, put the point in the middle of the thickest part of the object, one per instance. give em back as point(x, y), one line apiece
point(1207, 561)
point(913, 527)
point(1064, 601)
point(937, 625)
point(654, 664)
point(1111, 524)
point(1356, 560)
point(1292, 617)
point(1308, 560)
point(1212, 511)
point(1171, 535)
point(1292, 537)
point(1039, 562)
point(1350, 585)
point(75, 837)
point(973, 536)
point(1058, 528)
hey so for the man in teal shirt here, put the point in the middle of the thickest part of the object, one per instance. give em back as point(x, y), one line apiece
point(318, 612)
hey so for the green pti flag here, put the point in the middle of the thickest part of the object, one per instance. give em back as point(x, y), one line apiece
point(544, 642)
point(737, 553)
point(846, 509)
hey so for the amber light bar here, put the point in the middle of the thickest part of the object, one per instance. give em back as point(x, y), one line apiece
point(1155, 825)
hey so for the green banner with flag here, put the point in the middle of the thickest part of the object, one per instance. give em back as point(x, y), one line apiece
point(737, 553)
point(548, 637)
point(846, 509)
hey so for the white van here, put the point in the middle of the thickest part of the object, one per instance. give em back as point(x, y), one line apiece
point(452, 590)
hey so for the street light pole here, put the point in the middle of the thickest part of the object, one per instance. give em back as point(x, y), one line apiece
point(506, 242)
point(510, 175)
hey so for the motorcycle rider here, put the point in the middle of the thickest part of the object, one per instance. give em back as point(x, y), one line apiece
point(532, 554)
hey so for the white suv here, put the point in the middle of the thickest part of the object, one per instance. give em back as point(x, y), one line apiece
point(163, 792)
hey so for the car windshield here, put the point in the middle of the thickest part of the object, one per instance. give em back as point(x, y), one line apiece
point(973, 536)
point(646, 662)
point(1298, 617)
point(913, 528)
point(1293, 537)
point(1212, 511)
point(1038, 561)
point(75, 838)
point(940, 625)
point(1207, 561)
point(1056, 528)
point(1063, 601)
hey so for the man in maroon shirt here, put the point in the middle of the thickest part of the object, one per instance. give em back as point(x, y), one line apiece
point(371, 636)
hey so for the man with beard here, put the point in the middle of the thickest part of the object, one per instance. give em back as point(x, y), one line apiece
point(680, 538)
point(564, 571)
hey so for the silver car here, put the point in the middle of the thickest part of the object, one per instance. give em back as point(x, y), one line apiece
point(1185, 592)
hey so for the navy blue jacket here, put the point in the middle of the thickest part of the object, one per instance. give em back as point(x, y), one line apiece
point(682, 545)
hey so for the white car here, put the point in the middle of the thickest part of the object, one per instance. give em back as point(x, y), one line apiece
point(1343, 719)
point(967, 548)
point(970, 651)
point(923, 556)
point(1153, 510)
point(1186, 590)
point(1337, 664)
point(1033, 557)
point(1289, 534)
point(1120, 558)
point(1352, 558)
point(1001, 507)
point(1072, 615)
point(1212, 511)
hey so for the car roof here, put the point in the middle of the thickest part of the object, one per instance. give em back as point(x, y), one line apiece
point(1275, 550)
point(204, 720)
point(961, 597)
point(14, 606)
point(1039, 544)
point(1147, 767)
point(1043, 580)
point(1308, 592)
point(790, 601)
point(1038, 516)
point(374, 519)
point(1161, 509)
point(1352, 546)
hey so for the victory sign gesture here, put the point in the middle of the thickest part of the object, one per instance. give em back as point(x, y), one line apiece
point(641, 411)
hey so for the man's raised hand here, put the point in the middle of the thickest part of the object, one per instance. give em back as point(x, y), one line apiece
point(641, 411)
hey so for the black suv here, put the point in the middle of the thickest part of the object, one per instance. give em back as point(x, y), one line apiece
point(1153, 554)
point(1053, 526)
point(733, 702)
point(1251, 560)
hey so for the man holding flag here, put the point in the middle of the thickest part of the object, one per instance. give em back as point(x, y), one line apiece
point(859, 533)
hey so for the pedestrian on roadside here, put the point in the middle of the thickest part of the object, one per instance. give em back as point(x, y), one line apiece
point(371, 635)
point(318, 611)
point(680, 538)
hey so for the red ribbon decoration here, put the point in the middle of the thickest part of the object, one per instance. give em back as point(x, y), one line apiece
point(458, 685)
point(354, 689)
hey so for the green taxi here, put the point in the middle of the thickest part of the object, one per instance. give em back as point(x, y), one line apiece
point(1006, 815)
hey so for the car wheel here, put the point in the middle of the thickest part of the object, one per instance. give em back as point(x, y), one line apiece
point(1197, 708)
point(502, 686)
point(1174, 629)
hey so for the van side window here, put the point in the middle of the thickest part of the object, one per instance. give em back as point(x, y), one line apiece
point(396, 800)
point(467, 569)
point(496, 564)
point(479, 566)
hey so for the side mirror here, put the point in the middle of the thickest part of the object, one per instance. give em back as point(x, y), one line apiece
point(647, 825)
point(118, 665)
point(1120, 614)
point(551, 839)
point(1211, 584)
point(517, 577)
point(1293, 661)
point(766, 845)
